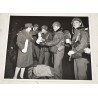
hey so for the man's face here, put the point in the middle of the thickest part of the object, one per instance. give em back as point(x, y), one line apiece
point(76, 24)
point(35, 28)
point(55, 27)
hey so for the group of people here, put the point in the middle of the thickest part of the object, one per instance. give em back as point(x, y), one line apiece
point(42, 43)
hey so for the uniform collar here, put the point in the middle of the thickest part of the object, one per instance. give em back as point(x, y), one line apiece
point(80, 28)
point(59, 30)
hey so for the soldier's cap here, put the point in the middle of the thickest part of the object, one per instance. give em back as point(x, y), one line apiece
point(56, 24)
point(76, 19)
point(44, 27)
point(35, 25)
point(28, 25)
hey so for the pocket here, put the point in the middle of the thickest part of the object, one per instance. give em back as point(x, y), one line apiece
point(76, 55)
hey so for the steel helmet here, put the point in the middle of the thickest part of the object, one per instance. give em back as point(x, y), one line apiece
point(44, 27)
point(56, 23)
point(76, 19)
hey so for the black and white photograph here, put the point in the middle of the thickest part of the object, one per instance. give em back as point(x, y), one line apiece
point(49, 48)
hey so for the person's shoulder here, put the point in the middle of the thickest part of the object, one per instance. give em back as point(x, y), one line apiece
point(84, 32)
point(60, 33)
point(20, 33)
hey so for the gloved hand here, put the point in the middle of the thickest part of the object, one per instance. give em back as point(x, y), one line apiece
point(87, 50)
point(71, 52)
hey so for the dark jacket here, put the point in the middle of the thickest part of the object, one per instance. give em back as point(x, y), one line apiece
point(80, 40)
point(58, 40)
point(34, 35)
point(47, 37)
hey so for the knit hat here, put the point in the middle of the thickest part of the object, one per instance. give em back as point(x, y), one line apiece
point(29, 25)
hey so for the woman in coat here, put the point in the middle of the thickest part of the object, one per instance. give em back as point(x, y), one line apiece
point(24, 43)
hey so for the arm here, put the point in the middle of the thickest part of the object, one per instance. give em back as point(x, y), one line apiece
point(19, 41)
point(49, 38)
point(55, 41)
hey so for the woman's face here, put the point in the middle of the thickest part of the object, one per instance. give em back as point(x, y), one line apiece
point(76, 24)
point(28, 29)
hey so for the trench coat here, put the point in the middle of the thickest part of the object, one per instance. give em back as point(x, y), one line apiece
point(24, 59)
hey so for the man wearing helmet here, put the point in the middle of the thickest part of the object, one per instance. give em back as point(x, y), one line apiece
point(80, 41)
point(44, 52)
point(57, 47)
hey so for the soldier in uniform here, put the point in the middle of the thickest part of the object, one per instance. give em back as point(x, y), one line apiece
point(57, 48)
point(80, 41)
point(44, 52)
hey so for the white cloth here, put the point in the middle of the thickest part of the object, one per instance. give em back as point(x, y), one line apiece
point(25, 47)
point(68, 41)
point(40, 39)
point(70, 53)
point(87, 50)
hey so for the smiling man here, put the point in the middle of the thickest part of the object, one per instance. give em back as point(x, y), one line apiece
point(80, 41)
